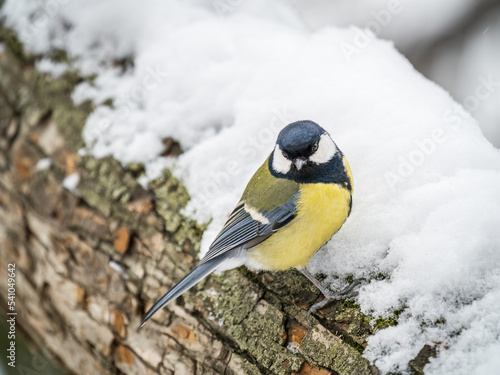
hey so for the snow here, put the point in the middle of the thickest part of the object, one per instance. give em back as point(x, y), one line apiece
point(470, 70)
point(43, 164)
point(223, 81)
point(71, 181)
point(118, 268)
point(46, 65)
point(460, 64)
point(410, 24)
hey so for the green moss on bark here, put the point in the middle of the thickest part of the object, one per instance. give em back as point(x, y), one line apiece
point(325, 349)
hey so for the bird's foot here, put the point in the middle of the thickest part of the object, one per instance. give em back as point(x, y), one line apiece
point(330, 296)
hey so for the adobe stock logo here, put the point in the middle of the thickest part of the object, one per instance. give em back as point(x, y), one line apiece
point(452, 120)
point(364, 36)
point(38, 20)
point(226, 7)
point(408, 164)
point(250, 148)
point(483, 91)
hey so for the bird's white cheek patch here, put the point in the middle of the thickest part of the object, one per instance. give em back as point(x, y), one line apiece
point(326, 150)
point(280, 163)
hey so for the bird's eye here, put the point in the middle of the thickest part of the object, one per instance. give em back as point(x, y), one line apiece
point(314, 147)
point(283, 152)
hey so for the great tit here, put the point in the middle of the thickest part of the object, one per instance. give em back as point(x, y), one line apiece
point(295, 202)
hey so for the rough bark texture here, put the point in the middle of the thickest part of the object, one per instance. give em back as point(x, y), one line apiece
point(89, 264)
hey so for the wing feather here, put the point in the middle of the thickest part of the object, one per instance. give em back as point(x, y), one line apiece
point(242, 230)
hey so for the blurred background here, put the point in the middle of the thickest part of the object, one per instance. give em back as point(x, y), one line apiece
point(455, 43)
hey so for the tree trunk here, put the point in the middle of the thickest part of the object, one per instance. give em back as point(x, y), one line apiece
point(89, 262)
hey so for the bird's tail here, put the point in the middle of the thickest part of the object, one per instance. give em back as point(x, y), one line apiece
point(193, 277)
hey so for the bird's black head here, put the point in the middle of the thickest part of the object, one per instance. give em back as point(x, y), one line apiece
point(304, 152)
point(299, 140)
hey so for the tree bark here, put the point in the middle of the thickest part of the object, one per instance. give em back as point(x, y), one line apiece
point(89, 263)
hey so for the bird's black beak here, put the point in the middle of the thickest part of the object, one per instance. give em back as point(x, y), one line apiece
point(299, 162)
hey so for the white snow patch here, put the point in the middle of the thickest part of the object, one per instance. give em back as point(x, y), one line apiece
point(43, 164)
point(118, 268)
point(48, 66)
point(71, 181)
point(293, 347)
point(410, 24)
point(212, 292)
point(470, 71)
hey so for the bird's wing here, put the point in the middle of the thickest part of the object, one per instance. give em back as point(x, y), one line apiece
point(268, 204)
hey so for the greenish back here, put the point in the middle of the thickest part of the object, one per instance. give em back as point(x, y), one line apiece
point(265, 192)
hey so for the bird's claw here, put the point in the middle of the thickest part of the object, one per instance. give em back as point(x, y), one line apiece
point(330, 296)
point(314, 308)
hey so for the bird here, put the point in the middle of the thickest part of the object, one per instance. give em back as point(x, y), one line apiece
point(292, 206)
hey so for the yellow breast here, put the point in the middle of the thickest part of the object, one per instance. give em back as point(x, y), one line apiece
point(322, 209)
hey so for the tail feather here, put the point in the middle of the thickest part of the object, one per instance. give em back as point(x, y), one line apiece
point(192, 278)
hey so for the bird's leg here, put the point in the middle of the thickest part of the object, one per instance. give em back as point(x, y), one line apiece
point(329, 295)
